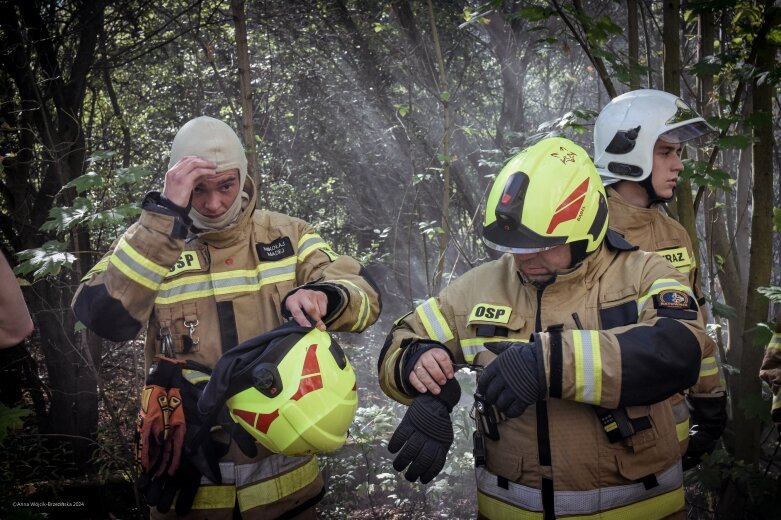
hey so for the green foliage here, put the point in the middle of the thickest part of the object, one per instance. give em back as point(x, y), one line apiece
point(723, 310)
point(47, 260)
point(11, 419)
point(772, 293)
point(700, 174)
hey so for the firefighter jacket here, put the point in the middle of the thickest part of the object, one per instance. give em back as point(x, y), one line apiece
point(204, 294)
point(653, 231)
point(621, 331)
point(770, 372)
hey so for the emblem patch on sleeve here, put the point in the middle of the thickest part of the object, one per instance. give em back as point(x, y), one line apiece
point(673, 299)
point(276, 250)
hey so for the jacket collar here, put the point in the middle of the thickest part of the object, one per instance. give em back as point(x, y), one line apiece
point(625, 216)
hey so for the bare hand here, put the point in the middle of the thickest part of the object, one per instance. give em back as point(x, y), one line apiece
point(184, 176)
point(431, 371)
point(306, 302)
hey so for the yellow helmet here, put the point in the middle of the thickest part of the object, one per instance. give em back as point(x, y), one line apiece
point(546, 196)
point(292, 389)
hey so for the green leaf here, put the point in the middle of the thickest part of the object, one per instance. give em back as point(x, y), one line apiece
point(535, 13)
point(113, 216)
point(772, 293)
point(762, 334)
point(777, 220)
point(734, 141)
point(708, 66)
point(11, 419)
point(132, 174)
point(46, 260)
point(723, 310)
point(62, 219)
point(85, 182)
point(445, 96)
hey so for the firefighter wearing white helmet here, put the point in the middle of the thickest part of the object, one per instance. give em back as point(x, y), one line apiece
point(201, 272)
point(578, 341)
point(638, 140)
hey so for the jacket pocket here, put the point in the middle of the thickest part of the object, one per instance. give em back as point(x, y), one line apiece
point(178, 326)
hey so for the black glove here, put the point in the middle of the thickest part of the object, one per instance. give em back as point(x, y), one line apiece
point(513, 380)
point(709, 417)
point(425, 434)
point(159, 491)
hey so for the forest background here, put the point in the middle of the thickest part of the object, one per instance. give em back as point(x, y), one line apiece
point(382, 123)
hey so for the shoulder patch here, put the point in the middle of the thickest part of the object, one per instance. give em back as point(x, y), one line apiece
point(490, 313)
point(276, 250)
point(188, 261)
point(674, 299)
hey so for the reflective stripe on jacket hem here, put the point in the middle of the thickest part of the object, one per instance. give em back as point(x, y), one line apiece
point(275, 489)
point(664, 499)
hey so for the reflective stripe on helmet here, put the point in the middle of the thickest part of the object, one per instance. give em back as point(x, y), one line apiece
point(614, 502)
point(433, 321)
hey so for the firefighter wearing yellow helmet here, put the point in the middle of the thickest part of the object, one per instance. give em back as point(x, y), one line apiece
point(577, 340)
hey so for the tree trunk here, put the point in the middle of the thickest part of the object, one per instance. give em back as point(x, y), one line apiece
point(245, 88)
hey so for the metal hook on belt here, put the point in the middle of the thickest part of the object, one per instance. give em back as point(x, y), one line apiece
point(191, 327)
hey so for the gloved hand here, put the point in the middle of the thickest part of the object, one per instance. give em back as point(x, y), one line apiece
point(161, 427)
point(425, 434)
point(183, 461)
point(709, 417)
point(513, 380)
point(159, 490)
point(700, 443)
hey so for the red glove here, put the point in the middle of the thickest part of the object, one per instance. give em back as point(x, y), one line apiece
point(161, 426)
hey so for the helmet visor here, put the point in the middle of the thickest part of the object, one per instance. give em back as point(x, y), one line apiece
point(685, 133)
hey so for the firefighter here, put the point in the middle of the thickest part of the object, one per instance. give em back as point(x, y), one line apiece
point(578, 341)
point(638, 140)
point(770, 372)
point(202, 271)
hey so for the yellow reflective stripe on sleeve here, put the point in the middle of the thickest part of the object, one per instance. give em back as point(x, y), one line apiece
point(776, 400)
point(659, 286)
point(230, 282)
point(276, 488)
point(101, 266)
point(363, 313)
point(308, 243)
point(215, 497)
point(390, 364)
point(588, 366)
point(195, 376)
point(433, 321)
point(775, 341)
point(708, 367)
point(471, 347)
point(136, 267)
point(682, 430)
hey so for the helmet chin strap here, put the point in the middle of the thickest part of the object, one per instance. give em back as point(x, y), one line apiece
point(653, 197)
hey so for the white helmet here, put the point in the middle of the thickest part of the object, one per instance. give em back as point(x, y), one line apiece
point(627, 128)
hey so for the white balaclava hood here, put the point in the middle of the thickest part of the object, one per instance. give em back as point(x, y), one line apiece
point(213, 140)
